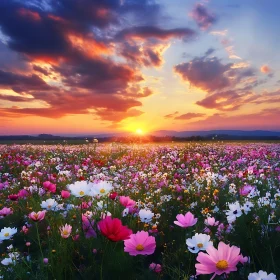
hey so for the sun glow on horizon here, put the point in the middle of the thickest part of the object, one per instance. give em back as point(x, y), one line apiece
point(139, 131)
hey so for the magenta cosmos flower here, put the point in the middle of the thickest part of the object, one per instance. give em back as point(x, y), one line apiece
point(140, 244)
point(223, 260)
point(186, 220)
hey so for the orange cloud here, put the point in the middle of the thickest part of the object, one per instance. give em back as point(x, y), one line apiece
point(265, 69)
point(29, 14)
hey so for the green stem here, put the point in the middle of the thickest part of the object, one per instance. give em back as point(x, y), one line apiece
point(39, 242)
point(101, 267)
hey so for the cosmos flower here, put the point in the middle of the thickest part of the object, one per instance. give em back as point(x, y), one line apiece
point(49, 186)
point(65, 194)
point(37, 217)
point(233, 212)
point(113, 229)
point(49, 204)
point(261, 275)
point(5, 212)
point(127, 202)
point(88, 227)
point(7, 233)
point(186, 220)
point(146, 215)
point(101, 188)
point(79, 188)
point(65, 231)
point(140, 244)
point(218, 261)
point(199, 242)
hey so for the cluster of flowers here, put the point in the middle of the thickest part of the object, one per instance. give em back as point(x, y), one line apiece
point(192, 208)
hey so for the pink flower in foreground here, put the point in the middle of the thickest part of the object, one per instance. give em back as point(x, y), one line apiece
point(186, 220)
point(140, 244)
point(127, 202)
point(218, 261)
point(37, 217)
point(65, 231)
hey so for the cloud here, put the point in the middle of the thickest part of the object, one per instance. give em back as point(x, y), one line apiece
point(205, 73)
point(234, 99)
point(257, 120)
point(22, 83)
point(204, 18)
point(171, 116)
point(210, 74)
point(265, 69)
point(144, 32)
point(189, 116)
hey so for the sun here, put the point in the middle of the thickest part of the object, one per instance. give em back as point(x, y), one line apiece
point(139, 131)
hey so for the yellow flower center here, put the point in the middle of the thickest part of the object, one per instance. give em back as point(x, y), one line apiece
point(199, 245)
point(102, 191)
point(49, 206)
point(139, 247)
point(81, 193)
point(65, 232)
point(6, 234)
point(222, 264)
point(36, 216)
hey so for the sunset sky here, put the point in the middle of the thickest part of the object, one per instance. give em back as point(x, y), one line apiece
point(93, 66)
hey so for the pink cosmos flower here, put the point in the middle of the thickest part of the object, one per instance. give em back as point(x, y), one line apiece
point(155, 267)
point(37, 217)
point(140, 244)
point(245, 190)
point(49, 186)
point(65, 194)
point(210, 221)
point(186, 220)
point(223, 260)
point(127, 202)
point(23, 193)
point(65, 231)
point(113, 229)
point(5, 212)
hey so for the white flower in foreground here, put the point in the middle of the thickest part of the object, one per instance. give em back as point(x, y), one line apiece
point(7, 233)
point(49, 204)
point(146, 215)
point(79, 188)
point(199, 242)
point(233, 212)
point(261, 275)
point(101, 188)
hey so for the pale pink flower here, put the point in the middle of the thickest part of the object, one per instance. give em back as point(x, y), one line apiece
point(65, 231)
point(140, 244)
point(186, 220)
point(37, 217)
point(210, 221)
point(218, 261)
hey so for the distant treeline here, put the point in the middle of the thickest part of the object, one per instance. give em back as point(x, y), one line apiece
point(48, 138)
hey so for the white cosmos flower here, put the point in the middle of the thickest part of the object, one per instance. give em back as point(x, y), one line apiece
point(79, 188)
point(261, 275)
point(199, 242)
point(7, 233)
point(233, 212)
point(8, 261)
point(247, 207)
point(101, 188)
point(49, 204)
point(146, 215)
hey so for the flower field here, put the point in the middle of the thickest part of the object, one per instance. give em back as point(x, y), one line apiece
point(115, 211)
